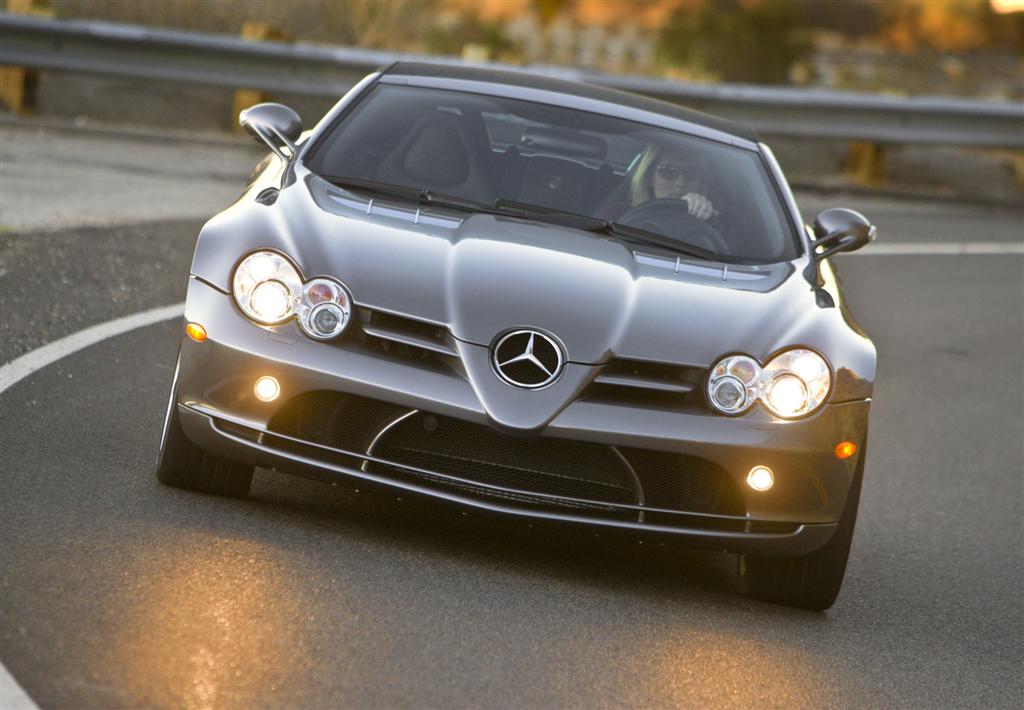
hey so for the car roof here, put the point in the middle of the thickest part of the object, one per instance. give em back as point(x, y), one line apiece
point(571, 89)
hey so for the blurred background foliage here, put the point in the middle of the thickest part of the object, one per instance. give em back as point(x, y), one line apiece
point(966, 47)
point(736, 41)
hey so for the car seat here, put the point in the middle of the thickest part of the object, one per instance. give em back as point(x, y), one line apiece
point(441, 152)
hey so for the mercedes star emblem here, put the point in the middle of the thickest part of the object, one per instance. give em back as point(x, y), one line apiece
point(527, 358)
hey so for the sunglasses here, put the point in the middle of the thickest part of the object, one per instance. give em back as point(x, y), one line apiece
point(670, 172)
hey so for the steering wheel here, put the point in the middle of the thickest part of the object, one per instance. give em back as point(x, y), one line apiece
point(671, 216)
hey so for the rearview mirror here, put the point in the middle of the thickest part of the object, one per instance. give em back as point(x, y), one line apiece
point(837, 230)
point(275, 125)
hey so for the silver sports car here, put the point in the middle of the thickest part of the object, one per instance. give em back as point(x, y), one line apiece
point(539, 298)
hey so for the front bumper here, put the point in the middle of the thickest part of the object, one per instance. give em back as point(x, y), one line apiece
point(219, 412)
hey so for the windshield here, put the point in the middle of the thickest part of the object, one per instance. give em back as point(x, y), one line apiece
point(490, 150)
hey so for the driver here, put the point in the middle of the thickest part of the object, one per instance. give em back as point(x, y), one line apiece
point(663, 173)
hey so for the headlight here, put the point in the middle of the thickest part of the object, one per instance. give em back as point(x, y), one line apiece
point(267, 287)
point(793, 384)
point(325, 309)
point(732, 387)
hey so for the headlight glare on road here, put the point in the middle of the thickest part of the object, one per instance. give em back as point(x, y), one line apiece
point(795, 383)
point(732, 385)
point(266, 287)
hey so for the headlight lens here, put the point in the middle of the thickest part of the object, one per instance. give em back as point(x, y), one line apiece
point(325, 309)
point(793, 384)
point(267, 287)
point(732, 387)
point(786, 395)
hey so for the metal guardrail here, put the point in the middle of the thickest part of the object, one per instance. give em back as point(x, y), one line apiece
point(196, 58)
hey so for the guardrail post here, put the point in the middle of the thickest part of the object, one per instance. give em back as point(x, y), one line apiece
point(244, 98)
point(865, 163)
point(17, 84)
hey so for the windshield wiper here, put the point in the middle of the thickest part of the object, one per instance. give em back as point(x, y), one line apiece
point(419, 195)
point(645, 236)
point(512, 208)
point(600, 226)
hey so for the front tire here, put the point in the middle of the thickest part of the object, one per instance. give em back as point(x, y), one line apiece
point(182, 464)
point(810, 581)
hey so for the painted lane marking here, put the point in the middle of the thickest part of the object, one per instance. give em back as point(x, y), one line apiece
point(37, 359)
point(942, 249)
point(12, 695)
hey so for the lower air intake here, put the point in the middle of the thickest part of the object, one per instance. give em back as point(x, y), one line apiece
point(482, 455)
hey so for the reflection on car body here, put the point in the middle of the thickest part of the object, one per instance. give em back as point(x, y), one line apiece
point(538, 298)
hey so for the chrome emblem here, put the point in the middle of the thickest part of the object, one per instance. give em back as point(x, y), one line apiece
point(528, 359)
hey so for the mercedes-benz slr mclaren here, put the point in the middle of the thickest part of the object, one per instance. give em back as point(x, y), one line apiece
point(538, 298)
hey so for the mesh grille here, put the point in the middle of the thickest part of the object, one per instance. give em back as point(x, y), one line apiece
point(686, 483)
point(509, 496)
point(344, 421)
point(479, 453)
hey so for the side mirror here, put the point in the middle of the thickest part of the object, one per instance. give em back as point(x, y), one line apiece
point(275, 125)
point(837, 230)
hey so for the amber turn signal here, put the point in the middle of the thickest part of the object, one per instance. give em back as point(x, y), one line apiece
point(845, 449)
point(196, 332)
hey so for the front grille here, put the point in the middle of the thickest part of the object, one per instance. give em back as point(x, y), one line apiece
point(680, 482)
point(536, 501)
point(406, 337)
point(338, 420)
point(431, 450)
point(638, 383)
point(478, 453)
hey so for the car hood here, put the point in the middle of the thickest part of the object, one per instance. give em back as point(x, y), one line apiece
point(482, 275)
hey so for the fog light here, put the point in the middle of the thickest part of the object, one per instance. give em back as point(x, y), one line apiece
point(266, 389)
point(195, 331)
point(760, 478)
point(845, 449)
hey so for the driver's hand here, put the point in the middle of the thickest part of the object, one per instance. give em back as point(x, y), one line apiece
point(699, 205)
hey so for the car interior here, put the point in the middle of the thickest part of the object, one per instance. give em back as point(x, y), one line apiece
point(474, 147)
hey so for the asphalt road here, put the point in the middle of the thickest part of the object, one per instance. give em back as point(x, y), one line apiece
point(54, 178)
point(118, 592)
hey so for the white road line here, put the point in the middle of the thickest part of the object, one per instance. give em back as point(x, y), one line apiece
point(22, 367)
point(12, 696)
point(941, 249)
